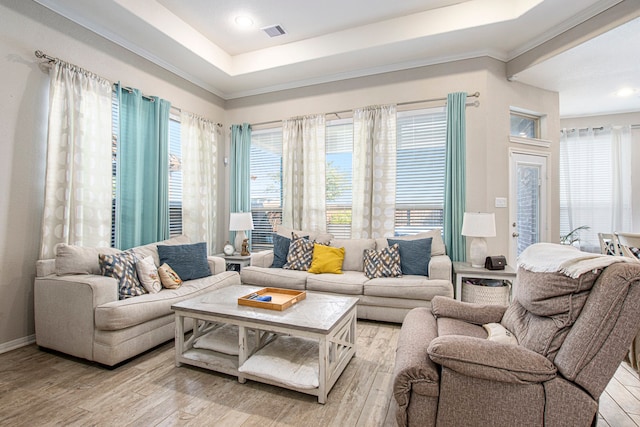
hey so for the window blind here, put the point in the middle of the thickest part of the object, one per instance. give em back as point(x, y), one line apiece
point(420, 170)
point(175, 178)
point(339, 149)
point(265, 185)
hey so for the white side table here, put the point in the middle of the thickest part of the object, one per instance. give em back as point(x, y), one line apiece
point(236, 262)
point(463, 270)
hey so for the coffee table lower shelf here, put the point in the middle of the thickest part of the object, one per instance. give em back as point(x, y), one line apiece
point(336, 346)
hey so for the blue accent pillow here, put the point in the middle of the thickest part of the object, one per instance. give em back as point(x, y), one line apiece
point(280, 250)
point(415, 255)
point(188, 261)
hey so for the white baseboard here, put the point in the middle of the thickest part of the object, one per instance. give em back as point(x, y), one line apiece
point(20, 342)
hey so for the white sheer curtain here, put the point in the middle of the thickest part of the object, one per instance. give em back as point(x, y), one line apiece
point(595, 182)
point(199, 140)
point(303, 173)
point(374, 172)
point(78, 183)
point(621, 156)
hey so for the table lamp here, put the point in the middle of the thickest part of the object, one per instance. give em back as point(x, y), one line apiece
point(478, 225)
point(240, 222)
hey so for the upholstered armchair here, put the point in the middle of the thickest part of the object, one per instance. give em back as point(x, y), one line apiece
point(542, 361)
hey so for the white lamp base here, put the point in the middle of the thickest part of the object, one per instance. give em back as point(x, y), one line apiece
point(478, 252)
point(240, 236)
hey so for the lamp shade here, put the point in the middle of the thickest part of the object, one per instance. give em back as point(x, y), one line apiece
point(478, 224)
point(240, 221)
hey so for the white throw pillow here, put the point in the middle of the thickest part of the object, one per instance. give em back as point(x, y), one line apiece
point(499, 333)
point(148, 275)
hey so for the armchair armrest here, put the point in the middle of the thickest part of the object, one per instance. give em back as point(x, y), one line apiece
point(262, 258)
point(217, 264)
point(478, 314)
point(64, 310)
point(440, 267)
point(480, 358)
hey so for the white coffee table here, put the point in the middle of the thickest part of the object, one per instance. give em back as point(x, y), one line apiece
point(331, 320)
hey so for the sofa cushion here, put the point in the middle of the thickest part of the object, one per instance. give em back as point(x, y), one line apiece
point(412, 287)
point(122, 267)
point(414, 255)
point(71, 259)
point(122, 314)
point(382, 263)
point(274, 277)
point(314, 236)
point(151, 249)
point(188, 261)
point(326, 259)
point(300, 254)
point(353, 252)
point(349, 283)
point(437, 244)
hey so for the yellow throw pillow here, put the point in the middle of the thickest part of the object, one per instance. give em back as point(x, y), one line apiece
point(168, 277)
point(326, 259)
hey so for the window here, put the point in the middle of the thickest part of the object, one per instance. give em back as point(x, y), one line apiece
point(175, 177)
point(419, 182)
point(266, 185)
point(339, 149)
point(525, 125)
point(420, 170)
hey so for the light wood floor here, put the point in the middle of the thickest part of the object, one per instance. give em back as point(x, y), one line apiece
point(40, 388)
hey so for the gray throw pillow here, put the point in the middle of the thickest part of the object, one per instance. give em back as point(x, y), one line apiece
point(415, 255)
point(188, 261)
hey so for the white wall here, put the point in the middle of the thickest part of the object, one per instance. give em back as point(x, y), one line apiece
point(24, 27)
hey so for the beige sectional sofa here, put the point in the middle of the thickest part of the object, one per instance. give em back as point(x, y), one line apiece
point(386, 299)
point(78, 311)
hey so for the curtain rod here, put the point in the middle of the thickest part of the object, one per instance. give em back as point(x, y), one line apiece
point(596, 128)
point(421, 101)
point(41, 55)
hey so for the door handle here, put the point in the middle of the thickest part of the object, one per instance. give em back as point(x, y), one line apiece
point(515, 234)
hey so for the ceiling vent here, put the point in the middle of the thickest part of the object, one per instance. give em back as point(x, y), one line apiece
point(274, 30)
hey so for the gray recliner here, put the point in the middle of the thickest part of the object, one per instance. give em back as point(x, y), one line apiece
point(572, 333)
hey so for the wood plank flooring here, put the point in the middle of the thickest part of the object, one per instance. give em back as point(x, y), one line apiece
point(39, 388)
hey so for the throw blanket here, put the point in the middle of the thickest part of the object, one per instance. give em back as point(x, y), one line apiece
point(568, 260)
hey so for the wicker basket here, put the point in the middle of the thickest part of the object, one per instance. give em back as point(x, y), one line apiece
point(491, 295)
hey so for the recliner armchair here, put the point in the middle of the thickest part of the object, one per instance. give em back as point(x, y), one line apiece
point(572, 333)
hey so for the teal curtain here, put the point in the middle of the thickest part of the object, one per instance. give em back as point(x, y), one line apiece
point(240, 199)
point(455, 176)
point(142, 184)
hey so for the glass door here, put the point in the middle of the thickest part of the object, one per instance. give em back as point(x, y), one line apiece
point(528, 194)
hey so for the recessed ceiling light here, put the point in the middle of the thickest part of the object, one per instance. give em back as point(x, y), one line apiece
point(626, 91)
point(244, 21)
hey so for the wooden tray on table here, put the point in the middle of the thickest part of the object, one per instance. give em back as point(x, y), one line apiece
point(281, 299)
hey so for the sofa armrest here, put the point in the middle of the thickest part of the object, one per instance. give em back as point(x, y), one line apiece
point(478, 314)
point(262, 259)
point(45, 267)
point(489, 360)
point(217, 264)
point(440, 267)
point(64, 310)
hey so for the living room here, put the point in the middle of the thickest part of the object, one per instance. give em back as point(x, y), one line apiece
point(29, 26)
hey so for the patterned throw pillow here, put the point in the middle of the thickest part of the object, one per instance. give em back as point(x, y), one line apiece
point(148, 275)
point(300, 254)
point(122, 267)
point(382, 263)
point(168, 277)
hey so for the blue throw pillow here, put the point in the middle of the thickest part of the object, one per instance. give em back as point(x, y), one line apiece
point(280, 250)
point(188, 261)
point(414, 255)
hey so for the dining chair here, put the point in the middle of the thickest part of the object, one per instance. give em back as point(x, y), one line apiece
point(629, 244)
point(608, 244)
